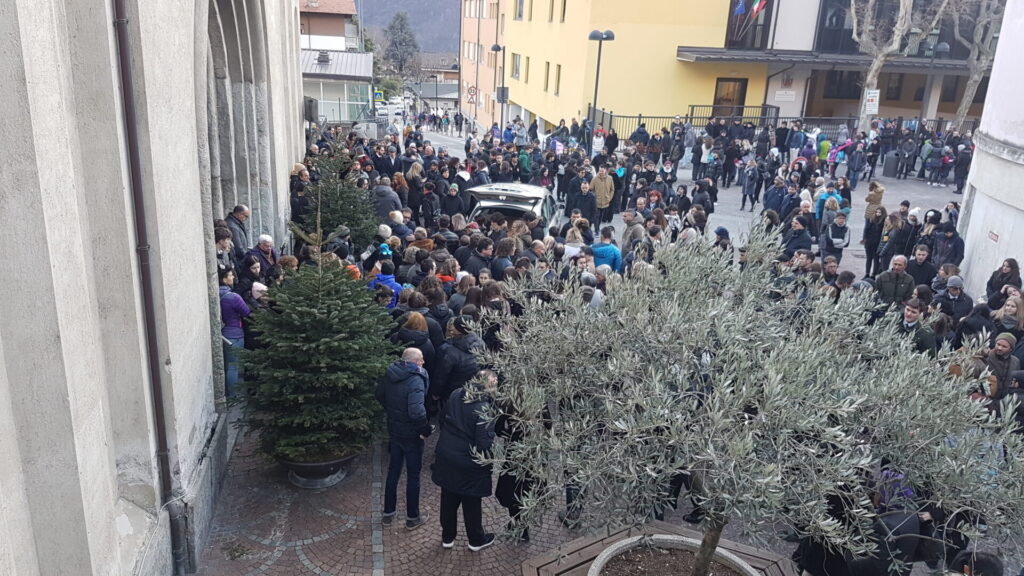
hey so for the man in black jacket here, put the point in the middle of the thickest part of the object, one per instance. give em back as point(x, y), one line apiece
point(920, 268)
point(403, 395)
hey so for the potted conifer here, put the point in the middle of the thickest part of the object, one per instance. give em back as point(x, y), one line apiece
point(321, 350)
point(772, 398)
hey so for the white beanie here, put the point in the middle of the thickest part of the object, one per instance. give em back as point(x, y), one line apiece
point(384, 231)
point(258, 290)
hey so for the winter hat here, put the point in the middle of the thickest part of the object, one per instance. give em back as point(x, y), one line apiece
point(1003, 336)
point(384, 231)
point(916, 213)
point(462, 324)
point(259, 290)
point(721, 232)
point(343, 231)
point(955, 282)
point(803, 221)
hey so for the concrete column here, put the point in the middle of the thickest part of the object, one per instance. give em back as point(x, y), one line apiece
point(932, 96)
point(49, 328)
point(222, 106)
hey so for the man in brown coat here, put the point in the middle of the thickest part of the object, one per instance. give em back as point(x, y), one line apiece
point(604, 190)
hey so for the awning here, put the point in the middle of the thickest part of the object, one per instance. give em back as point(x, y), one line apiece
point(838, 61)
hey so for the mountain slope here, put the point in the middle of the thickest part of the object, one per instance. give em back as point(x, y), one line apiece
point(435, 22)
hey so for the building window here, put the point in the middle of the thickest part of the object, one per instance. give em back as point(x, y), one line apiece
point(515, 65)
point(749, 30)
point(520, 9)
point(526, 78)
point(547, 73)
point(480, 8)
point(950, 88)
point(551, 10)
point(894, 89)
point(842, 85)
point(562, 19)
point(558, 78)
point(531, 10)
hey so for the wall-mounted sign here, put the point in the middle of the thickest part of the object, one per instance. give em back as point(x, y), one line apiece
point(785, 96)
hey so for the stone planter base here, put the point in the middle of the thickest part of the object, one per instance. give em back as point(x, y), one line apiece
point(723, 557)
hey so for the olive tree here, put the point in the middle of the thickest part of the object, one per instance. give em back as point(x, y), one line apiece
point(774, 397)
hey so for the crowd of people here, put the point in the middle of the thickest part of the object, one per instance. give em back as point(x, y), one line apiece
point(441, 274)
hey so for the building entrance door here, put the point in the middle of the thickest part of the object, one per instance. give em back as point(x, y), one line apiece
point(730, 96)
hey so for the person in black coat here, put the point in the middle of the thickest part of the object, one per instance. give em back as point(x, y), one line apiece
point(451, 203)
point(464, 482)
point(402, 394)
point(456, 359)
point(586, 202)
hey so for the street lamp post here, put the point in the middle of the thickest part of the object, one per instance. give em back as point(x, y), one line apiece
point(503, 101)
point(600, 38)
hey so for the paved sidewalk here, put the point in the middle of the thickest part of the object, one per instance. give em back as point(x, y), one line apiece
point(264, 525)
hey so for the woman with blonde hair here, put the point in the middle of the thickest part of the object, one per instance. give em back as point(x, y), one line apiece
point(520, 232)
point(1009, 318)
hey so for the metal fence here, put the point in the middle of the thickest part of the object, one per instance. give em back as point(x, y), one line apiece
point(767, 116)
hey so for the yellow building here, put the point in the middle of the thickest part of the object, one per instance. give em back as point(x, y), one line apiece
point(551, 64)
point(735, 57)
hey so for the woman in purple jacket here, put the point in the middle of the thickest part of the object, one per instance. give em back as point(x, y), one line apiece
point(232, 309)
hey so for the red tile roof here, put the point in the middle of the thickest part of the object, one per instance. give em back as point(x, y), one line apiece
point(328, 6)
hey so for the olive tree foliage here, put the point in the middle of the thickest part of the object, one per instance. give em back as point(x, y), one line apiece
point(774, 397)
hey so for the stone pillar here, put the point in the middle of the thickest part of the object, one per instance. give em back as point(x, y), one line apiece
point(53, 374)
point(993, 207)
point(932, 96)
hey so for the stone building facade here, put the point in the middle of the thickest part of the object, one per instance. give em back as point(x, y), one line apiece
point(992, 219)
point(217, 107)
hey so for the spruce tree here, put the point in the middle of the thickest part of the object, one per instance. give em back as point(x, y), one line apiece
point(340, 202)
point(310, 387)
point(402, 46)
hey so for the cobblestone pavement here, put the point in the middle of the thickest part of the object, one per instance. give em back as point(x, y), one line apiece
point(264, 525)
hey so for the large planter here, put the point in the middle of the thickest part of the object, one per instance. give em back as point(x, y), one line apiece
point(315, 475)
point(668, 541)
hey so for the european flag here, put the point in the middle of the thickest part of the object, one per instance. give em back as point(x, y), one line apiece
point(740, 9)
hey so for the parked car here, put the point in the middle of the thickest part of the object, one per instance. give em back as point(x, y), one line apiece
point(513, 199)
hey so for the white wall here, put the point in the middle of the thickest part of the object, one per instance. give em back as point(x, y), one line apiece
point(795, 21)
point(78, 481)
point(993, 206)
point(787, 90)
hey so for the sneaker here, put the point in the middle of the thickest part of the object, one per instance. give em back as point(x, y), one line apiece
point(448, 545)
point(488, 540)
point(388, 517)
point(414, 523)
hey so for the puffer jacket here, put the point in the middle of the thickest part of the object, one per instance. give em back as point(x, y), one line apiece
point(402, 393)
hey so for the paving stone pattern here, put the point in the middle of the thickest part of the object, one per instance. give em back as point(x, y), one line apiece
point(264, 525)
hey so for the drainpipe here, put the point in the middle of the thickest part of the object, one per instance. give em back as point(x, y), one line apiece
point(175, 507)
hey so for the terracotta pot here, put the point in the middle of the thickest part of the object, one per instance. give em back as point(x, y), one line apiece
point(668, 541)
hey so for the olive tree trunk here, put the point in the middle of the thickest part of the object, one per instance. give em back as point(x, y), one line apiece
point(708, 545)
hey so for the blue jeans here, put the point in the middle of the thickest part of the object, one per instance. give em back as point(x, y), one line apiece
point(407, 451)
point(231, 368)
